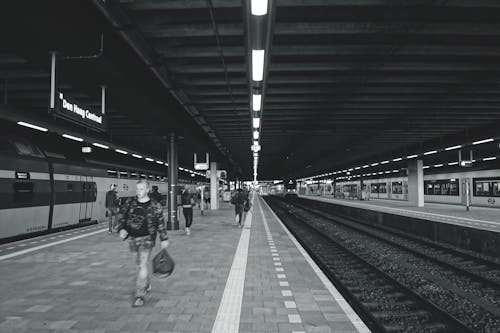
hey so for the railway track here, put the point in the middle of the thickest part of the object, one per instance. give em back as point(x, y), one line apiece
point(423, 308)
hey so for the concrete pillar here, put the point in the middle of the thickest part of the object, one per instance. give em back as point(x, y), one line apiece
point(214, 187)
point(416, 183)
point(172, 183)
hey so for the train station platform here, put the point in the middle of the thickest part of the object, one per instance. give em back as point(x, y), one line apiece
point(477, 217)
point(227, 279)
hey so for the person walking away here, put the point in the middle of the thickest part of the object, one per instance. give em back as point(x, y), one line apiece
point(238, 200)
point(187, 202)
point(140, 219)
point(111, 205)
point(155, 195)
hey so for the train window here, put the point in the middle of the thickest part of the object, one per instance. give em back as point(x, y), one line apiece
point(373, 188)
point(496, 188)
point(123, 174)
point(23, 192)
point(441, 187)
point(397, 187)
point(69, 187)
point(25, 148)
point(133, 175)
point(482, 188)
point(112, 173)
point(382, 188)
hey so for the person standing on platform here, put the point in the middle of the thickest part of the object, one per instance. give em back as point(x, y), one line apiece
point(140, 219)
point(155, 195)
point(187, 201)
point(206, 196)
point(111, 205)
point(238, 200)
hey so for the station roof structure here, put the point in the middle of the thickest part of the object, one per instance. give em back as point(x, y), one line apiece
point(345, 83)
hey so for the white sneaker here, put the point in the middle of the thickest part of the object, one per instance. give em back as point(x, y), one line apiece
point(188, 232)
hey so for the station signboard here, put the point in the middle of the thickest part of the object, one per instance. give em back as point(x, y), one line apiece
point(69, 109)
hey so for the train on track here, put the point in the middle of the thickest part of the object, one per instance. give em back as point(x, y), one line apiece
point(482, 187)
point(44, 190)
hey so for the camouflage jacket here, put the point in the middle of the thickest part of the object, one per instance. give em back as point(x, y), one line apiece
point(128, 220)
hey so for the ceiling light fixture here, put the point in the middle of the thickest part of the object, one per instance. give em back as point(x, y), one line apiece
point(71, 137)
point(22, 123)
point(100, 145)
point(482, 141)
point(257, 65)
point(256, 122)
point(256, 102)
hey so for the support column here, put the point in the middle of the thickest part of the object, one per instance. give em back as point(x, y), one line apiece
point(172, 183)
point(416, 183)
point(214, 187)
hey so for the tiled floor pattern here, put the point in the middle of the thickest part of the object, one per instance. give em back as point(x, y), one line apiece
point(305, 303)
point(85, 285)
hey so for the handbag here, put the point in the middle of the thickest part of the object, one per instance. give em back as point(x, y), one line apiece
point(163, 264)
point(247, 207)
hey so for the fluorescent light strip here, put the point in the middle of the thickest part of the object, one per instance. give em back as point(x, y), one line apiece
point(71, 137)
point(482, 141)
point(357, 168)
point(365, 166)
point(149, 159)
point(438, 165)
point(257, 65)
point(159, 162)
point(121, 151)
point(426, 167)
point(256, 102)
point(256, 122)
point(258, 7)
point(411, 156)
point(453, 147)
point(384, 162)
point(22, 123)
point(430, 152)
point(256, 135)
point(100, 145)
point(374, 164)
point(397, 159)
point(489, 158)
point(453, 163)
point(137, 156)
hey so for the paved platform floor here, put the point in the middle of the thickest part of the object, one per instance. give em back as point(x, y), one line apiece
point(82, 281)
point(477, 217)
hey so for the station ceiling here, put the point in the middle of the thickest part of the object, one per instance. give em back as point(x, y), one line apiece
point(346, 83)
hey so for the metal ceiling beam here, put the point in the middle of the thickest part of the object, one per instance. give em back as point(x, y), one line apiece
point(375, 28)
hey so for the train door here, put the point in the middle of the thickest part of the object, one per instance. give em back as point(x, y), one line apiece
point(85, 199)
point(466, 191)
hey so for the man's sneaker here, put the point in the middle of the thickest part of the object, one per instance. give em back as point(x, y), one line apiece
point(188, 232)
point(139, 301)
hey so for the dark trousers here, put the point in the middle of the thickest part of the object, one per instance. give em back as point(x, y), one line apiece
point(188, 215)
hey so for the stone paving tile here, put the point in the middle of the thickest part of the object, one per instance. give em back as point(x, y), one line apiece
point(313, 301)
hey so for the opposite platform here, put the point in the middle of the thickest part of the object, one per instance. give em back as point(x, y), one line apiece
point(477, 217)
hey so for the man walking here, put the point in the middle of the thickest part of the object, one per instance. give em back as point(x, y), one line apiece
point(140, 219)
point(111, 205)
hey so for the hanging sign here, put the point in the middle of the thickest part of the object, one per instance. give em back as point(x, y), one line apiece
point(71, 110)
